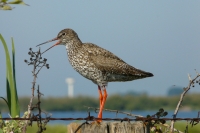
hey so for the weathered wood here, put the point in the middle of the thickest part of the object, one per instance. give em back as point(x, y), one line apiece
point(108, 127)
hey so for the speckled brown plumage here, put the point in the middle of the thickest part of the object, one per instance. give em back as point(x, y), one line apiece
point(96, 64)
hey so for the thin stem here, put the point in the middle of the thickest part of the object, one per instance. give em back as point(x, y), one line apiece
point(117, 111)
point(191, 82)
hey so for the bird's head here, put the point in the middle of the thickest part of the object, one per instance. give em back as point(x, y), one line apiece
point(64, 37)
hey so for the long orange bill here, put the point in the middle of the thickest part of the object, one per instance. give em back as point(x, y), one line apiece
point(47, 41)
point(51, 46)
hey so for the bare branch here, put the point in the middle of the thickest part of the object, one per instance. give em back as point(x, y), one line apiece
point(38, 63)
point(191, 83)
point(117, 111)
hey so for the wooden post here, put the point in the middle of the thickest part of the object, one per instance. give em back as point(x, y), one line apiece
point(108, 127)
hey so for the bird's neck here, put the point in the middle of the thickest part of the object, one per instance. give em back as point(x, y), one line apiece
point(73, 44)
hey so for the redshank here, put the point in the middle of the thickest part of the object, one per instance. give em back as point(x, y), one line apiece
point(96, 64)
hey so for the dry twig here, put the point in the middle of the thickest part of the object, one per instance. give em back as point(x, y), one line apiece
point(191, 84)
point(117, 111)
point(38, 64)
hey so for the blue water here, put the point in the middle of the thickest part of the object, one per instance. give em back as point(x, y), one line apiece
point(181, 114)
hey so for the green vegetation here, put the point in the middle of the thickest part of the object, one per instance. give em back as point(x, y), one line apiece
point(181, 125)
point(5, 4)
point(49, 129)
point(125, 102)
point(12, 102)
point(12, 97)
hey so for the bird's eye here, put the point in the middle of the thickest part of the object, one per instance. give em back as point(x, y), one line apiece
point(63, 34)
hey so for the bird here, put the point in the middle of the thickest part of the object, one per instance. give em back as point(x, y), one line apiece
point(96, 64)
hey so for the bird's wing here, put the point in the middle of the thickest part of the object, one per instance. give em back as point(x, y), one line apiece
point(96, 50)
point(113, 65)
point(108, 62)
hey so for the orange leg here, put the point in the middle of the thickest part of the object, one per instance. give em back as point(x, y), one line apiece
point(100, 96)
point(102, 104)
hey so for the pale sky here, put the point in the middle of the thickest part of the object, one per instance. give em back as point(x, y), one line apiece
point(161, 37)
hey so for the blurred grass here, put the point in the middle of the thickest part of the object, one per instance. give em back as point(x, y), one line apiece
point(126, 102)
point(49, 129)
point(181, 125)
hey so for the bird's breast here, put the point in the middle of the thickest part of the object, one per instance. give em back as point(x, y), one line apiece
point(81, 62)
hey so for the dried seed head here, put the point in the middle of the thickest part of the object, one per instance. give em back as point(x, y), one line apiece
point(158, 113)
point(47, 65)
point(165, 113)
point(29, 53)
point(161, 110)
point(30, 49)
point(45, 59)
point(31, 59)
point(25, 61)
